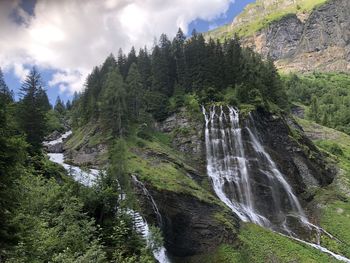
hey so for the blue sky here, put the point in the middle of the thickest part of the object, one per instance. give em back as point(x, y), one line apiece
point(67, 74)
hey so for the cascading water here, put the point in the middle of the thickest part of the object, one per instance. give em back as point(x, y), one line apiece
point(88, 178)
point(247, 180)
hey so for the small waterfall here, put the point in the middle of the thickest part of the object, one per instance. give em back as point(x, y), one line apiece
point(150, 198)
point(250, 184)
point(161, 253)
point(88, 178)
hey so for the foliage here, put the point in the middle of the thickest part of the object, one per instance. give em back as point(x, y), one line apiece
point(119, 92)
point(327, 96)
point(32, 110)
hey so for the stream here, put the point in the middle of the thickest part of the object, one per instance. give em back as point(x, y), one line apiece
point(88, 178)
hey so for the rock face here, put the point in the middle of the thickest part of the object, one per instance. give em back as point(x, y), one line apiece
point(320, 41)
point(187, 136)
point(86, 155)
point(296, 156)
point(190, 226)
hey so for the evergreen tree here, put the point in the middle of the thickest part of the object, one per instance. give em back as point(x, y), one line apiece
point(32, 112)
point(59, 106)
point(135, 92)
point(5, 94)
point(122, 63)
point(196, 62)
point(114, 103)
point(132, 58)
point(145, 68)
point(179, 57)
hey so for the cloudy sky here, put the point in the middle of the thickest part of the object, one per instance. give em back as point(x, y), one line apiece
point(65, 39)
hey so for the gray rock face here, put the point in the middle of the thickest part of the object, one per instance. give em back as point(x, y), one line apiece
point(321, 41)
point(54, 148)
point(187, 136)
point(190, 226)
point(85, 155)
point(296, 156)
point(281, 38)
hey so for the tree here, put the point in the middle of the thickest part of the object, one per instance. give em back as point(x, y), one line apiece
point(314, 113)
point(5, 94)
point(135, 92)
point(114, 103)
point(144, 67)
point(179, 56)
point(32, 111)
point(59, 106)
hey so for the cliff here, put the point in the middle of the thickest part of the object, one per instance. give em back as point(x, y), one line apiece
point(298, 35)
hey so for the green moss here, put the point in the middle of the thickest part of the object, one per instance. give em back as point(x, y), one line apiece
point(221, 218)
point(245, 109)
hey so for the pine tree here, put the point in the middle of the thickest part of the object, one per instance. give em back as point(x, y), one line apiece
point(114, 103)
point(179, 57)
point(59, 106)
point(122, 63)
point(144, 67)
point(135, 92)
point(5, 94)
point(32, 111)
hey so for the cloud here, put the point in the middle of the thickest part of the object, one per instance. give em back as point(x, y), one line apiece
point(72, 36)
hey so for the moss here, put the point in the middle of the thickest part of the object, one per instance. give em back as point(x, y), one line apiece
point(245, 109)
point(221, 218)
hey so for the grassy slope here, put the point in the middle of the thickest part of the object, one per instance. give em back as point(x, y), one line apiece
point(335, 199)
point(258, 22)
point(260, 245)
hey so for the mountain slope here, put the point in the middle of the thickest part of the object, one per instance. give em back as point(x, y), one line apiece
point(298, 35)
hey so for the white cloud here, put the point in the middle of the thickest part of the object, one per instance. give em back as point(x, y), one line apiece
point(72, 36)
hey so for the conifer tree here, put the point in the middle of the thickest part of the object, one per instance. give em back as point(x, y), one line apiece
point(59, 106)
point(179, 57)
point(5, 94)
point(32, 112)
point(114, 103)
point(135, 92)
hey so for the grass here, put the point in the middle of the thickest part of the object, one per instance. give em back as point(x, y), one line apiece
point(259, 245)
point(164, 168)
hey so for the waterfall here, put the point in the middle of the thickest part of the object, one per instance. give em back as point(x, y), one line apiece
point(227, 164)
point(247, 180)
point(150, 198)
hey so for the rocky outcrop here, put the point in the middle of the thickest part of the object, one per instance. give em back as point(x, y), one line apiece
point(321, 41)
point(86, 155)
point(186, 131)
point(190, 226)
point(296, 156)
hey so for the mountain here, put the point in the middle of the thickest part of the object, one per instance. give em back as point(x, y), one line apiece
point(299, 35)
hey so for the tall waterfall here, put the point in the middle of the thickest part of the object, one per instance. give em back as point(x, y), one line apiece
point(247, 180)
point(245, 177)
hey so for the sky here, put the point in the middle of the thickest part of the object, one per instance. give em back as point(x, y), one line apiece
point(65, 39)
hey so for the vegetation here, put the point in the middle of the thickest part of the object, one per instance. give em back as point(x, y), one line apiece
point(334, 199)
point(257, 244)
point(45, 215)
point(135, 89)
point(326, 95)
